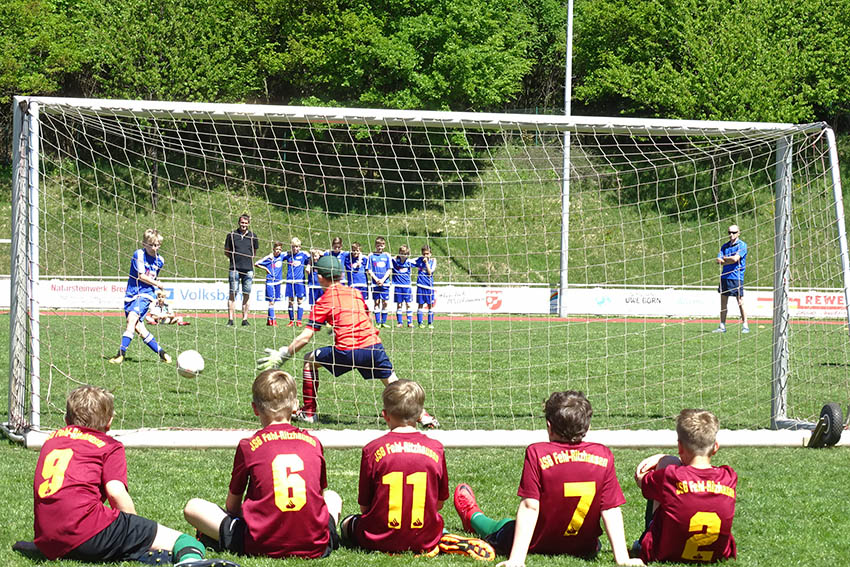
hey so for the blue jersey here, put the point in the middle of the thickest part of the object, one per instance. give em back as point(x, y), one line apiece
point(423, 278)
point(147, 265)
point(401, 271)
point(274, 264)
point(355, 270)
point(734, 271)
point(312, 276)
point(378, 265)
point(295, 266)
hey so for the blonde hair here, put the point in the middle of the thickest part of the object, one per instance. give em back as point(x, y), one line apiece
point(274, 394)
point(90, 406)
point(697, 430)
point(315, 253)
point(404, 400)
point(152, 236)
point(295, 241)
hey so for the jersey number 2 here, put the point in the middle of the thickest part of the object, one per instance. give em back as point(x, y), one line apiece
point(707, 528)
point(395, 480)
point(53, 471)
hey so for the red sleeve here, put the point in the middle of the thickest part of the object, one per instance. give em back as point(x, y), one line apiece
point(239, 476)
point(115, 466)
point(653, 484)
point(612, 493)
point(365, 489)
point(529, 484)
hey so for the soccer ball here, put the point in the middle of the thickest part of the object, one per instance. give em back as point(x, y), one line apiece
point(190, 363)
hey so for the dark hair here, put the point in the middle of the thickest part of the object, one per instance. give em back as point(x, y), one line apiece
point(568, 414)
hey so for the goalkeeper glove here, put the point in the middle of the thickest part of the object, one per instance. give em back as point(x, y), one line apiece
point(274, 358)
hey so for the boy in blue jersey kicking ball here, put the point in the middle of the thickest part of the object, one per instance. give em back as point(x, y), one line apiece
point(273, 265)
point(141, 292)
point(378, 268)
point(296, 291)
point(425, 265)
point(402, 267)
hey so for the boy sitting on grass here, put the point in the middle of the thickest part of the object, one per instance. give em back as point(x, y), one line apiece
point(284, 512)
point(403, 485)
point(691, 503)
point(567, 486)
point(78, 467)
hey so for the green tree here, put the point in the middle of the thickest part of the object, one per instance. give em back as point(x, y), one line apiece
point(461, 54)
point(767, 60)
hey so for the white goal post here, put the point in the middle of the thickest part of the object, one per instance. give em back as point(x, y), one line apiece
point(620, 306)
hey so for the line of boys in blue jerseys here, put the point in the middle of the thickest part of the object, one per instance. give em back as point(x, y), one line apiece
point(378, 273)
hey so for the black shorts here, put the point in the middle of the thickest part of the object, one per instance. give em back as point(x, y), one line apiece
point(126, 538)
point(502, 539)
point(734, 288)
point(346, 531)
point(231, 536)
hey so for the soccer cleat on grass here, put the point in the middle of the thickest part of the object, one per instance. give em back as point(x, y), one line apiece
point(117, 359)
point(291, 323)
point(428, 421)
point(421, 325)
point(245, 322)
point(719, 330)
point(304, 417)
point(230, 322)
point(165, 357)
point(469, 546)
point(466, 506)
point(206, 563)
point(299, 324)
point(745, 330)
point(430, 326)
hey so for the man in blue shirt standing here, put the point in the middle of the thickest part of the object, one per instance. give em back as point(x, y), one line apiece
point(733, 260)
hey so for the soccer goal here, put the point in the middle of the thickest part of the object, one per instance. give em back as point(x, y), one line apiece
point(591, 269)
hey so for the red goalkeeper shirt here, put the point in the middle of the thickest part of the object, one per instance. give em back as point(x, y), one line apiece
point(69, 488)
point(694, 519)
point(344, 308)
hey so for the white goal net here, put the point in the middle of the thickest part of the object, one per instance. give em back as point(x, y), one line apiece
point(614, 294)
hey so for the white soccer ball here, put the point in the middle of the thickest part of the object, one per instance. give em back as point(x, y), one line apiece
point(190, 363)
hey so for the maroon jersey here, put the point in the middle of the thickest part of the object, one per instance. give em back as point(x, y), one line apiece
point(694, 519)
point(285, 515)
point(403, 478)
point(69, 489)
point(574, 484)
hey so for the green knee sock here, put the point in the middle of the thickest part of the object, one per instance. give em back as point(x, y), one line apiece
point(484, 526)
point(187, 548)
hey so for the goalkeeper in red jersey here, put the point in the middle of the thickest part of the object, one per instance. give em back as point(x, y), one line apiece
point(356, 341)
point(691, 503)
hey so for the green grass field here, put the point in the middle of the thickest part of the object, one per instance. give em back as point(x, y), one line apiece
point(478, 373)
point(792, 505)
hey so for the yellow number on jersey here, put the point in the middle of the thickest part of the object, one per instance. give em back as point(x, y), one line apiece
point(707, 528)
point(585, 492)
point(419, 481)
point(290, 489)
point(53, 471)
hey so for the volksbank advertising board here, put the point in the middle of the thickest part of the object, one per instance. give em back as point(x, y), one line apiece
point(187, 296)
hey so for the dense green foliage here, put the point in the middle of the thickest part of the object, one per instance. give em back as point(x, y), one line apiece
point(776, 60)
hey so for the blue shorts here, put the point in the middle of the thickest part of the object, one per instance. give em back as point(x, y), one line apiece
point(295, 290)
point(402, 295)
point(372, 361)
point(735, 288)
point(424, 295)
point(272, 292)
point(240, 279)
point(138, 304)
point(381, 292)
point(314, 294)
